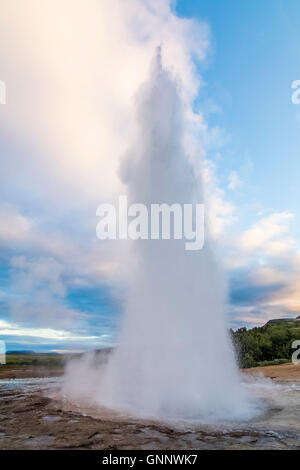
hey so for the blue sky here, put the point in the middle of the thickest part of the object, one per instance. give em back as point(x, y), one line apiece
point(67, 121)
point(248, 77)
point(255, 59)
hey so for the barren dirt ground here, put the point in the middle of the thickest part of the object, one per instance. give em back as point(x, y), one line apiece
point(282, 373)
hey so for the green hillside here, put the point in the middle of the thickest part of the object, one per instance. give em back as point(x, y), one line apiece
point(266, 345)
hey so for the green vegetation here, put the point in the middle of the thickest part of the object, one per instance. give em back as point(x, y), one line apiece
point(46, 360)
point(30, 358)
point(266, 345)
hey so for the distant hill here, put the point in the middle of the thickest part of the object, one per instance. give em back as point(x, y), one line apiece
point(283, 320)
point(20, 352)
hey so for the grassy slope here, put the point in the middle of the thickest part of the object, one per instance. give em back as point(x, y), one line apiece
point(267, 345)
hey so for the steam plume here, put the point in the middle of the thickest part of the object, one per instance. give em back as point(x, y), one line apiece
point(174, 358)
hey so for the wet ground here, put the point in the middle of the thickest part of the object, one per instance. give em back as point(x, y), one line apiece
point(34, 416)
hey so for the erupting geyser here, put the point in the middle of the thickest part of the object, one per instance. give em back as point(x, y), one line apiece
point(174, 358)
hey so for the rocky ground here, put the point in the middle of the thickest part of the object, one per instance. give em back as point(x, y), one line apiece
point(31, 419)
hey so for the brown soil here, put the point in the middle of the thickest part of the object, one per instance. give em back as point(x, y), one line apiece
point(282, 373)
point(24, 372)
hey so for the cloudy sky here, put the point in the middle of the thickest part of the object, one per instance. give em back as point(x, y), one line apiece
point(71, 69)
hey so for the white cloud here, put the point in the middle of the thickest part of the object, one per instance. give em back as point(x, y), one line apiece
point(71, 79)
point(269, 234)
point(15, 329)
point(234, 180)
point(72, 68)
point(268, 238)
point(220, 211)
point(32, 236)
point(268, 260)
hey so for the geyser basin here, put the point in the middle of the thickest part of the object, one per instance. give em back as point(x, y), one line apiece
point(174, 358)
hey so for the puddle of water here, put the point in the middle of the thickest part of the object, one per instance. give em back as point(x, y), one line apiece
point(51, 418)
point(29, 385)
point(39, 441)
